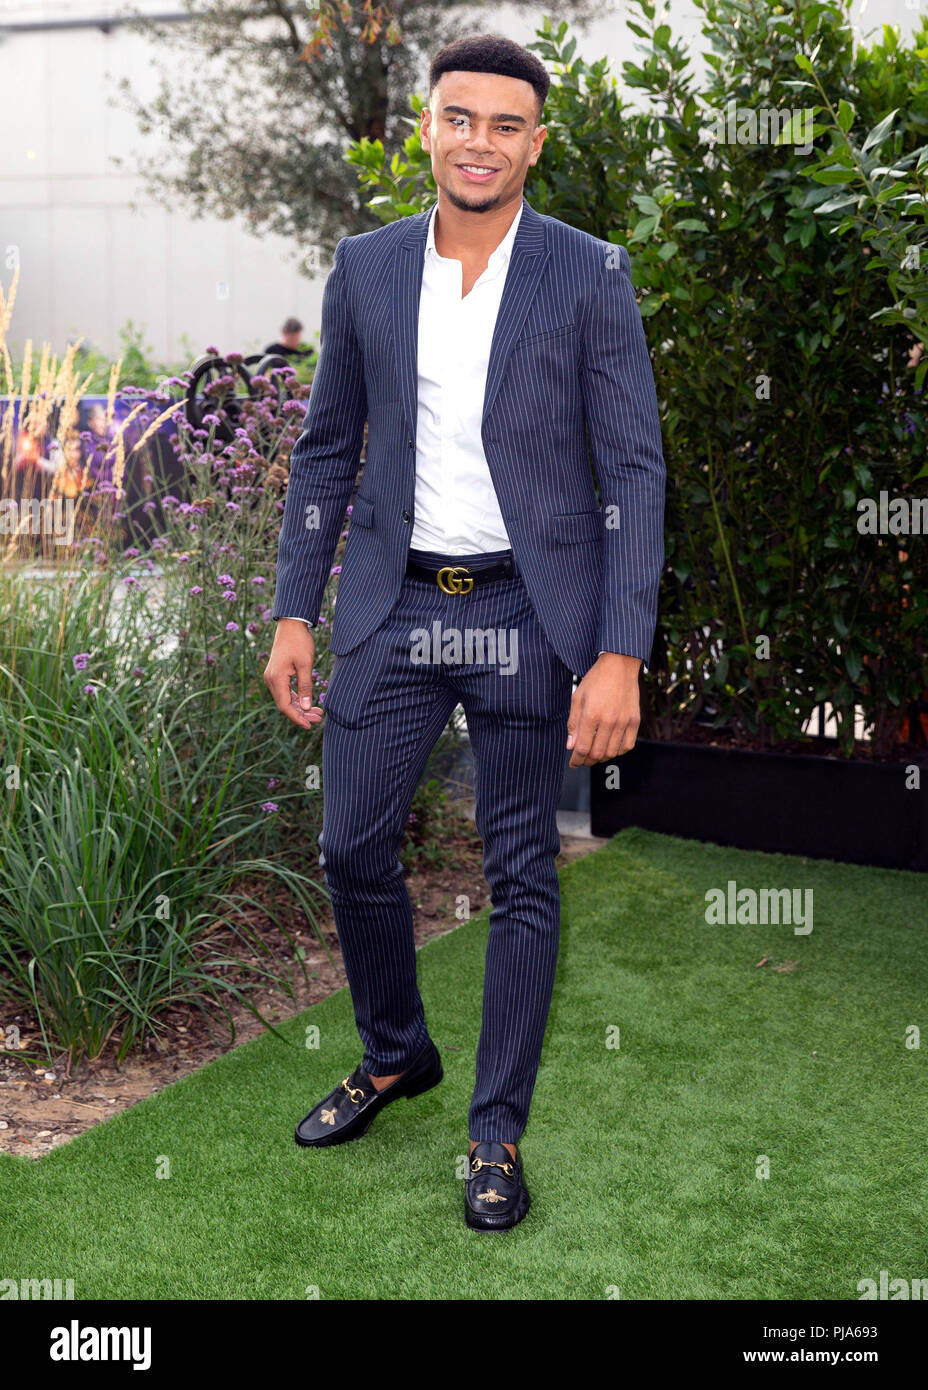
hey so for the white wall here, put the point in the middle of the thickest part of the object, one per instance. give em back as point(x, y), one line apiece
point(95, 249)
point(89, 260)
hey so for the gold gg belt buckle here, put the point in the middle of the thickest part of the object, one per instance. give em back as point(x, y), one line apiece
point(450, 579)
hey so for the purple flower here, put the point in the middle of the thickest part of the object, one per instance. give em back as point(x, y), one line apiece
point(225, 580)
point(233, 507)
point(273, 782)
point(130, 579)
point(183, 559)
point(231, 627)
point(196, 589)
point(336, 569)
point(131, 553)
point(209, 659)
point(138, 670)
point(81, 660)
point(90, 690)
point(259, 579)
point(269, 806)
point(229, 594)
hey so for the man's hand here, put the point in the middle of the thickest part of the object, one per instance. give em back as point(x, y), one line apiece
point(605, 711)
point(292, 654)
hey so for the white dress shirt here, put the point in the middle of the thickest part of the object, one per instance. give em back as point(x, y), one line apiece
point(456, 509)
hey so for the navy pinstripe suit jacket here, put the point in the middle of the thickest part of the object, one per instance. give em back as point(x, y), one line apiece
point(568, 376)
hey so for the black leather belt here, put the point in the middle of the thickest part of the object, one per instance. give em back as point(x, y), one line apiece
point(461, 578)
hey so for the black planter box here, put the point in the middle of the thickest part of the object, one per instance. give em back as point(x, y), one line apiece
point(826, 808)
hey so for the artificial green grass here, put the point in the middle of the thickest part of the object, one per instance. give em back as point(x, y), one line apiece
point(641, 1160)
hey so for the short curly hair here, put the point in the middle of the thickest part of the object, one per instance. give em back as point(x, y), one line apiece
point(491, 53)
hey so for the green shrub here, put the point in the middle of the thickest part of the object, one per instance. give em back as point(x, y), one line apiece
point(783, 400)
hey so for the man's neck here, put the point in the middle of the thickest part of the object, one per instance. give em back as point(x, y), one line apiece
point(472, 235)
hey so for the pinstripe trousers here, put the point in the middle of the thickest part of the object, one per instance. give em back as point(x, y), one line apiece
point(384, 712)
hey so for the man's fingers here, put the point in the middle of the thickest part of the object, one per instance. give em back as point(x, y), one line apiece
point(277, 680)
point(582, 740)
point(304, 684)
point(602, 741)
point(303, 714)
point(597, 742)
point(292, 657)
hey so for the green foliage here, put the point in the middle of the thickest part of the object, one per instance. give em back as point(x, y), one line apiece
point(138, 364)
point(882, 192)
point(148, 785)
point(434, 829)
point(785, 390)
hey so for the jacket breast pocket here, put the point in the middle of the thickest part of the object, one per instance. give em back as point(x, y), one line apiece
point(572, 528)
point(545, 336)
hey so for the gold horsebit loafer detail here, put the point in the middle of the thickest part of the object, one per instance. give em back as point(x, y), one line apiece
point(327, 1117)
point(491, 1194)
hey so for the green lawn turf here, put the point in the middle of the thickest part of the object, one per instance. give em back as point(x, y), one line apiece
point(640, 1161)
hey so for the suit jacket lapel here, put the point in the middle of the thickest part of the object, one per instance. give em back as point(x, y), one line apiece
point(527, 262)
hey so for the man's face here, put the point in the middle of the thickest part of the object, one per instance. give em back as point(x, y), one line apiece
point(96, 420)
point(480, 119)
point(290, 340)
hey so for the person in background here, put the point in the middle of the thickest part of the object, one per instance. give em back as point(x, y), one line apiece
point(289, 345)
point(99, 470)
point(69, 473)
point(98, 487)
point(30, 458)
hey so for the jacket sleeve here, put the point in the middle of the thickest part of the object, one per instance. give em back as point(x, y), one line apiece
point(325, 459)
point(620, 403)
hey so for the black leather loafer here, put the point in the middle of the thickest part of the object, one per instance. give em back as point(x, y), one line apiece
point(495, 1195)
point(350, 1110)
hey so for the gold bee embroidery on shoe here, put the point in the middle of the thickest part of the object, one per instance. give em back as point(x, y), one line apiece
point(491, 1195)
point(328, 1117)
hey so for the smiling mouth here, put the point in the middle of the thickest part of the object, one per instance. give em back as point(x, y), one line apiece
point(476, 173)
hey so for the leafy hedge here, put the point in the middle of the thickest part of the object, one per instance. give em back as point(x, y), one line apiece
point(788, 387)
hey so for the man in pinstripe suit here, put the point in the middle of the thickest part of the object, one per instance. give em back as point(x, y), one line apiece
point(492, 352)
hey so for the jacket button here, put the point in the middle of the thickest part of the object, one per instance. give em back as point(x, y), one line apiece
point(412, 443)
point(405, 516)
